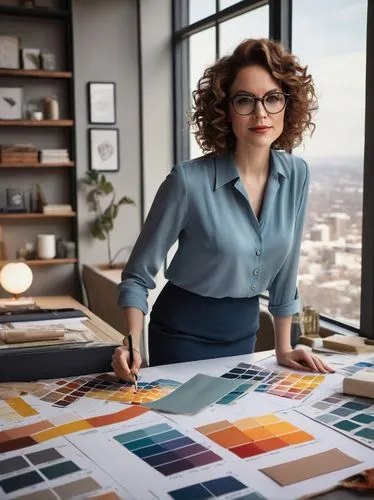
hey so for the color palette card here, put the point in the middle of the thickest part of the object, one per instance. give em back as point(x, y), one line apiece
point(253, 436)
point(58, 471)
point(14, 409)
point(353, 368)
point(351, 415)
point(217, 488)
point(290, 385)
point(251, 374)
point(107, 387)
point(66, 423)
point(195, 394)
point(166, 449)
point(309, 467)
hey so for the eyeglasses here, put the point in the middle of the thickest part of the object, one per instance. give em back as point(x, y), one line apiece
point(245, 104)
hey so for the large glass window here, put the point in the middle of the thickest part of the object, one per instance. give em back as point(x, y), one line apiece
point(334, 47)
point(202, 53)
point(199, 9)
point(252, 24)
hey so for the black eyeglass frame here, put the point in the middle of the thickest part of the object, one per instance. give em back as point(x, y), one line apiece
point(261, 99)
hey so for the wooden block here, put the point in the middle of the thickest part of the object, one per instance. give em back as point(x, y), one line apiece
point(360, 384)
point(342, 343)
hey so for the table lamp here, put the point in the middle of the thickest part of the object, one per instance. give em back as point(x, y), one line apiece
point(16, 278)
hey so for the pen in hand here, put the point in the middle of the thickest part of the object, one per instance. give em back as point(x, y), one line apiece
point(131, 350)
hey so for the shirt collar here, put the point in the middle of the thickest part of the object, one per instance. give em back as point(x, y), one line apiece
point(226, 170)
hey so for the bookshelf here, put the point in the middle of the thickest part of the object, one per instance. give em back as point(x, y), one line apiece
point(44, 28)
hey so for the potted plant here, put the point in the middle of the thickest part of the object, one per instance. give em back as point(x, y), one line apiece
point(98, 187)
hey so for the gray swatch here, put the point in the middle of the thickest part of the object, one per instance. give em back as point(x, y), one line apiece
point(40, 457)
point(200, 391)
point(12, 464)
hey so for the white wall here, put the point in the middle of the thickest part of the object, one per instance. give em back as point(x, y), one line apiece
point(106, 49)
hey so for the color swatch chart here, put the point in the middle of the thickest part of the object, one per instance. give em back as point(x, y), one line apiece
point(14, 409)
point(254, 436)
point(60, 426)
point(165, 449)
point(107, 387)
point(351, 415)
point(356, 367)
point(252, 374)
point(46, 468)
point(290, 385)
point(216, 488)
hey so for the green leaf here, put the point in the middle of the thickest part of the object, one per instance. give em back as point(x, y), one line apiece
point(125, 200)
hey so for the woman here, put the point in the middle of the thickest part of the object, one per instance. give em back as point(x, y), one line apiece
point(238, 215)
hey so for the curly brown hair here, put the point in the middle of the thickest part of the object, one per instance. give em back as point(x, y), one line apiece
point(210, 110)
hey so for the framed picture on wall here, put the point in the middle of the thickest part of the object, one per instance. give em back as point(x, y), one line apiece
point(102, 102)
point(104, 149)
point(11, 101)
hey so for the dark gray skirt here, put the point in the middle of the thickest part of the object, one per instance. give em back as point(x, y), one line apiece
point(185, 326)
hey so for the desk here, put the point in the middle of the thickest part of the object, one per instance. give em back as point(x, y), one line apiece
point(56, 361)
point(105, 331)
point(93, 435)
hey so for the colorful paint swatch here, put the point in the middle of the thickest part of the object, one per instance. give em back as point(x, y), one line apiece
point(23, 472)
point(284, 384)
point(14, 409)
point(165, 449)
point(255, 435)
point(213, 489)
point(356, 367)
point(309, 467)
point(64, 392)
point(351, 415)
point(290, 385)
point(252, 374)
point(25, 436)
point(194, 395)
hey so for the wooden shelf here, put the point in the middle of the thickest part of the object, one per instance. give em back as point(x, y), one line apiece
point(36, 123)
point(11, 10)
point(25, 216)
point(44, 262)
point(37, 165)
point(35, 73)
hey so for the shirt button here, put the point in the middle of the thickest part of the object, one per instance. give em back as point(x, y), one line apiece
point(253, 287)
point(258, 252)
point(256, 272)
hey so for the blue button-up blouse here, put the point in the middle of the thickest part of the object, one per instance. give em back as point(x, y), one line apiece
point(224, 250)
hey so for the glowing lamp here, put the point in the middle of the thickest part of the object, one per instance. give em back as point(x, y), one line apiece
point(16, 278)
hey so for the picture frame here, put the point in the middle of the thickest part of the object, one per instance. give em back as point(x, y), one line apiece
point(30, 58)
point(14, 199)
point(101, 103)
point(104, 149)
point(11, 103)
point(9, 52)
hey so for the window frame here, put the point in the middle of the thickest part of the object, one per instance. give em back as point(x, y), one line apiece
point(280, 28)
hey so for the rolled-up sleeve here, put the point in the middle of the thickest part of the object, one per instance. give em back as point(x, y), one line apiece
point(283, 294)
point(166, 219)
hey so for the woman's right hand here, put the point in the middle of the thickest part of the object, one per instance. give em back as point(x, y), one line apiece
point(120, 363)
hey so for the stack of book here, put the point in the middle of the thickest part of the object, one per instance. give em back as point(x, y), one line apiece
point(18, 153)
point(57, 209)
point(54, 156)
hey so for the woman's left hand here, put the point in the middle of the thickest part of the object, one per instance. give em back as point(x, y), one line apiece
point(300, 359)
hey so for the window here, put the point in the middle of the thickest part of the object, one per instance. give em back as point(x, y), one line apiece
point(199, 10)
point(202, 53)
point(252, 24)
point(330, 266)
